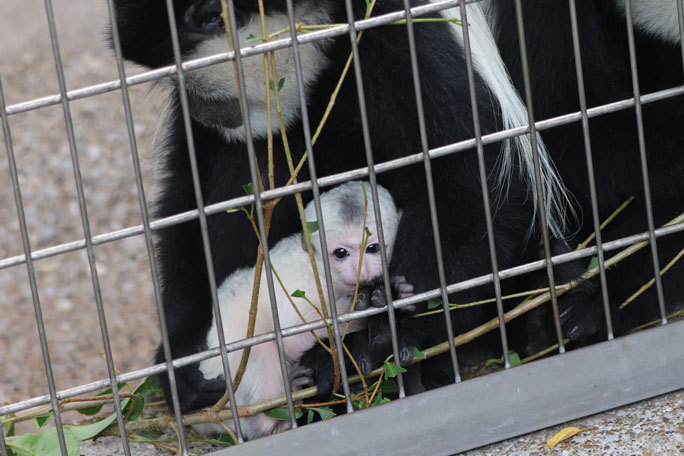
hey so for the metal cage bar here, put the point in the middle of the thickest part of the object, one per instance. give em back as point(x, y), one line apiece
point(42, 335)
point(3, 444)
point(437, 152)
point(586, 357)
point(453, 288)
point(260, 215)
point(85, 222)
point(485, 188)
point(590, 168)
point(680, 20)
point(203, 230)
point(308, 141)
point(147, 232)
point(365, 129)
point(644, 161)
point(537, 172)
point(153, 75)
point(427, 164)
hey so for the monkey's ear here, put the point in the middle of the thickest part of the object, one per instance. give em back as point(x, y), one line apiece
point(399, 214)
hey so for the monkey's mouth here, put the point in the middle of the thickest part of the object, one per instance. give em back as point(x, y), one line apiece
point(221, 112)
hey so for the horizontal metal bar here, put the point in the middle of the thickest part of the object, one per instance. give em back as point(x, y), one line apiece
point(340, 177)
point(435, 293)
point(247, 51)
point(495, 407)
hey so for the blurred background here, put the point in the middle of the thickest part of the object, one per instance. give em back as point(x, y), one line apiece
point(27, 69)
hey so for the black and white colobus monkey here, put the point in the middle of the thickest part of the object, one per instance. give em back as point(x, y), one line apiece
point(393, 120)
point(614, 138)
point(344, 212)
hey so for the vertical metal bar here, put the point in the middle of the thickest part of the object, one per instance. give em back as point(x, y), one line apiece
point(260, 213)
point(178, 58)
point(644, 161)
point(317, 203)
point(680, 18)
point(483, 182)
point(590, 167)
point(431, 189)
point(142, 199)
point(32, 274)
point(356, 60)
point(374, 193)
point(537, 173)
point(86, 227)
point(3, 445)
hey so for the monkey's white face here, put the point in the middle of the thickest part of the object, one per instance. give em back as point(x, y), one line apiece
point(213, 90)
point(344, 260)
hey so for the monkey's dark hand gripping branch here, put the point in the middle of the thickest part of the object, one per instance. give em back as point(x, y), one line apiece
point(369, 346)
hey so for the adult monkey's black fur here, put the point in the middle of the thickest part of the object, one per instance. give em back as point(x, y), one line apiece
point(607, 77)
point(393, 121)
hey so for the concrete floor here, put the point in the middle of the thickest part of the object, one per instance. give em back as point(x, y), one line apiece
point(654, 427)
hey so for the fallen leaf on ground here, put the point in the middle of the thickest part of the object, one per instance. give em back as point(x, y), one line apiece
point(564, 434)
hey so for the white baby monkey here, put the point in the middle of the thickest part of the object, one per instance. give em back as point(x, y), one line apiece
point(343, 209)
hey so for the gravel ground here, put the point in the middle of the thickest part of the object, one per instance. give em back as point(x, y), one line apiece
point(64, 283)
point(648, 428)
point(51, 204)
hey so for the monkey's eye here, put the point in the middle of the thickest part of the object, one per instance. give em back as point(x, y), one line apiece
point(373, 248)
point(340, 253)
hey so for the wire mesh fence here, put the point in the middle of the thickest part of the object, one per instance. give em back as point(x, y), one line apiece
point(376, 426)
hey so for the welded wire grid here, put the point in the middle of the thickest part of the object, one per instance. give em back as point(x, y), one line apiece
point(146, 229)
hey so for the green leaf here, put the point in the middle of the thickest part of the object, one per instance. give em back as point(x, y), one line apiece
point(368, 232)
point(226, 439)
point(434, 303)
point(88, 431)
point(42, 420)
point(138, 406)
point(309, 416)
point(379, 399)
point(283, 413)
point(312, 227)
point(154, 385)
point(95, 409)
point(417, 354)
point(248, 188)
point(389, 387)
point(152, 434)
point(593, 263)
point(45, 443)
point(150, 386)
point(254, 39)
point(9, 426)
point(323, 412)
point(392, 370)
point(298, 294)
point(281, 83)
point(514, 359)
point(494, 361)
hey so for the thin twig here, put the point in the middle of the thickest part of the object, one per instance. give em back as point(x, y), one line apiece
point(650, 283)
point(605, 223)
